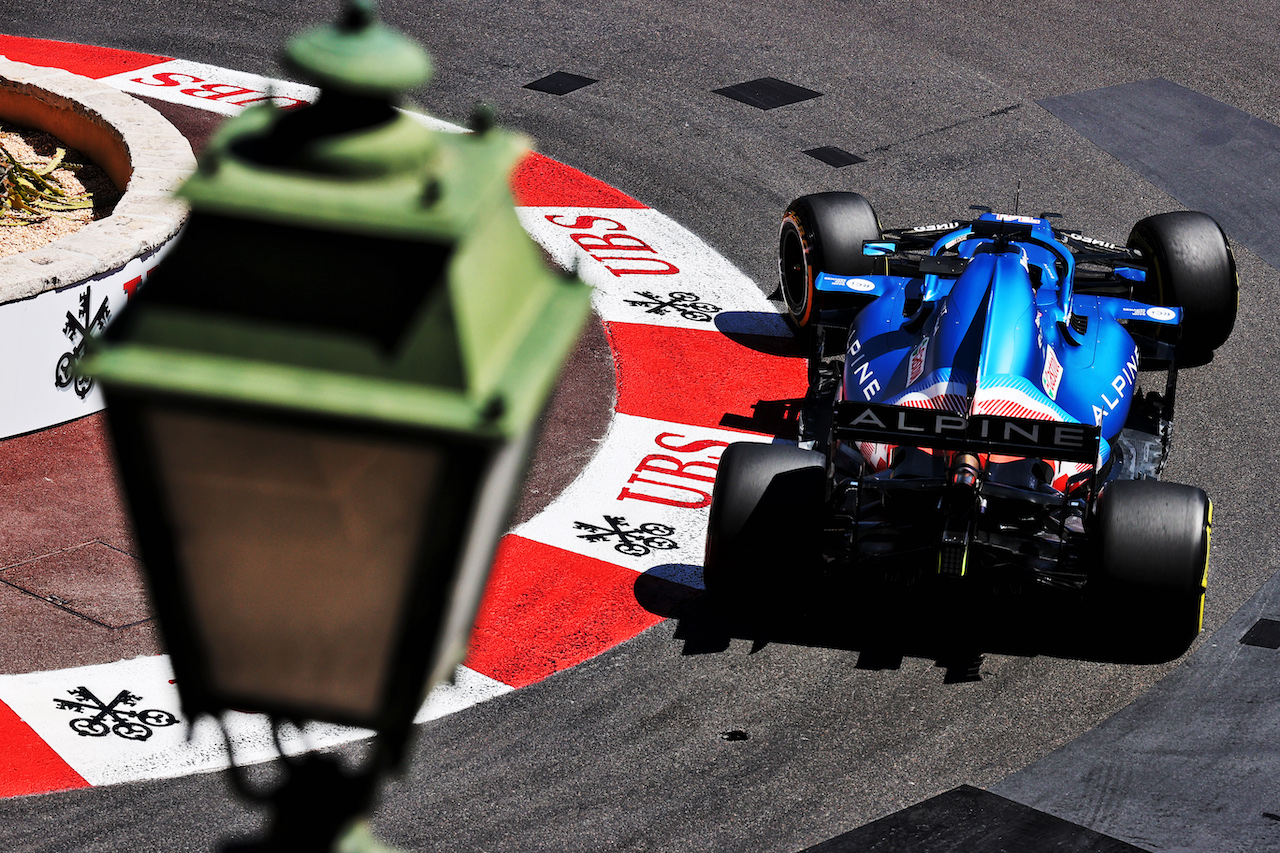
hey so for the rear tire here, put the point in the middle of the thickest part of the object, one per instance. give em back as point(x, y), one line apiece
point(765, 521)
point(1192, 268)
point(824, 232)
point(1153, 556)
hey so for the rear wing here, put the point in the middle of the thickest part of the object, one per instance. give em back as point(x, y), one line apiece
point(879, 423)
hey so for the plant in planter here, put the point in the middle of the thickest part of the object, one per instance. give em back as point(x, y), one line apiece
point(30, 193)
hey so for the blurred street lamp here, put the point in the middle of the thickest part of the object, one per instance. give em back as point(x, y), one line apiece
point(322, 403)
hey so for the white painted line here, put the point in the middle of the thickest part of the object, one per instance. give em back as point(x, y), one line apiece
point(638, 258)
point(220, 90)
point(147, 738)
point(208, 87)
point(469, 688)
point(655, 475)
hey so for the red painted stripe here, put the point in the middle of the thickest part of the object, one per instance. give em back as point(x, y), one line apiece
point(703, 378)
point(82, 59)
point(27, 764)
point(540, 181)
point(546, 609)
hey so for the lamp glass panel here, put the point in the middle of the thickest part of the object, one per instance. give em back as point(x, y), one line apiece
point(298, 548)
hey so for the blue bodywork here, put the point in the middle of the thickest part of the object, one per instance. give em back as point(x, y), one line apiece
point(991, 327)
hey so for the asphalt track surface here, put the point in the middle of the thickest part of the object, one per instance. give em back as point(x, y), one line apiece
point(943, 106)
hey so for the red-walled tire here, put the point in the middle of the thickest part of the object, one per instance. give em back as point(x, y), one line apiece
point(824, 232)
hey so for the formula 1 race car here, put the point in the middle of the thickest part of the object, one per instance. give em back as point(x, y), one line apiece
point(975, 411)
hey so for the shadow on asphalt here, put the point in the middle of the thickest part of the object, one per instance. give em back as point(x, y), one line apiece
point(952, 622)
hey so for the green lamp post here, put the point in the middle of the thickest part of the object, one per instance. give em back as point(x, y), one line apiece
point(323, 400)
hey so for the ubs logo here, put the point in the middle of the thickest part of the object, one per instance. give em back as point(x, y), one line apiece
point(77, 329)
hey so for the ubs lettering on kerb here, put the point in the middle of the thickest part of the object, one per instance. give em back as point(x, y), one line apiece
point(607, 241)
point(208, 87)
point(678, 472)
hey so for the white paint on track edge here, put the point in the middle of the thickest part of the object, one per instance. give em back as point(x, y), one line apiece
point(166, 750)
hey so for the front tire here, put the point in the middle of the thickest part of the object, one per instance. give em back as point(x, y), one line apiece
point(765, 521)
point(1153, 561)
point(824, 232)
point(1192, 268)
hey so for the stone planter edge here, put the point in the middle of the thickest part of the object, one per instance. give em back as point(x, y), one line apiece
point(138, 148)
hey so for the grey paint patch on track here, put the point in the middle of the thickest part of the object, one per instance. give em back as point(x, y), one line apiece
point(1207, 154)
point(973, 821)
point(767, 93)
point(1190, 766)
point(559, 83)
point(834, 156)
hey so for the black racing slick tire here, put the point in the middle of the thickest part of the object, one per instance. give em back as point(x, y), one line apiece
point(1190, 267)
point(1153, 559)
point(766, 520)
point(824, 232)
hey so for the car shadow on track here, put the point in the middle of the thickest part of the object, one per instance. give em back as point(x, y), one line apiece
point(759, 331)
point(941, 619)
point(779, 418)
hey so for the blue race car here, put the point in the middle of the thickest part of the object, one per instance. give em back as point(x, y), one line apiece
point(979, 411)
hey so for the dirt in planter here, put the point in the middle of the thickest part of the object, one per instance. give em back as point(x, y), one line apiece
point(34, 148)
